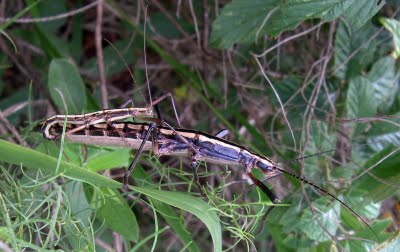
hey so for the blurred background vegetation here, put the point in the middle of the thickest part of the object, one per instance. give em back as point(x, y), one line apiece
point(287, 78)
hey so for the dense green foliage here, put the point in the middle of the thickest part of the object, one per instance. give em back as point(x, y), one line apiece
point(287, 78)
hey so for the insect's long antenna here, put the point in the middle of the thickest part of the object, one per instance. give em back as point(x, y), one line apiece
point(122, 58)
point(328, 193)
point(145, 57)
point(305, 157)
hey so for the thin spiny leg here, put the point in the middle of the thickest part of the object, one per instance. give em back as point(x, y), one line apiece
point(159, 114)
point(264, 188)
point(150, 132)
point(194, 165)
point(223, 133)
point(162, 97)
point(262, 181)
point(126, 103)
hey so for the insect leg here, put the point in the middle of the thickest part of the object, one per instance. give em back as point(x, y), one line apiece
point(126, 103)
point(264, 188)
point(162, 97)
point(223, 133)
point(159, 114)
point(194, 165)
point(262, 181)
point(150, 132)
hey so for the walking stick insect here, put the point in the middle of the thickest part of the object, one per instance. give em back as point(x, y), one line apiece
point(198, 146)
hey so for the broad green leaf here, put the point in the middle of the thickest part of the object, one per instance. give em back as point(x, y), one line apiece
point(342, 50)
point(109, 159)
point(197, 207)
point(81, 210)
point(276, 231)
point(390, 245)
point(319, 140)
point(385, 82)
point(328, 216)
point(360, 101)
point(356, 12)
point(53, 46)
point(364, 207)
point(382, 133)
point(77, 200)
point(393, 26)
point(175, 222)
point(298, 220)
point(379, 139)
point(354, 50)
point(383, 180)
point(240, 20)
point(48, 9)
point(66, 86)
point(297, 243)
point(366, 244)
point(115, 212)
point(166, 211)
point(18, 155)
point(290, 219)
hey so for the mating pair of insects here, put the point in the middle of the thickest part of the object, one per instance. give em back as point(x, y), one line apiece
point(104, 128)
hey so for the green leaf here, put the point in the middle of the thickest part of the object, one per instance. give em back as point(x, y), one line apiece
point(385, 82)
point(391, 245)
point(241, 19)
point(320, 140)
point(342, 50)
point(393, 26)
point(49, 9)
point(16, 154)
point(77, 200)
point(356, 12)
point(172, 219)
point(115, 212)
point(360, 101)
point(197, 207)
point(53, 46)
point(383, 180)
point(327, 215)
point(382, 134)
point(66, 86)
point(366, 244)
point(364, 206)
point(347, 42)
point(175, 222)
point(290, 219)
point(109, 159)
